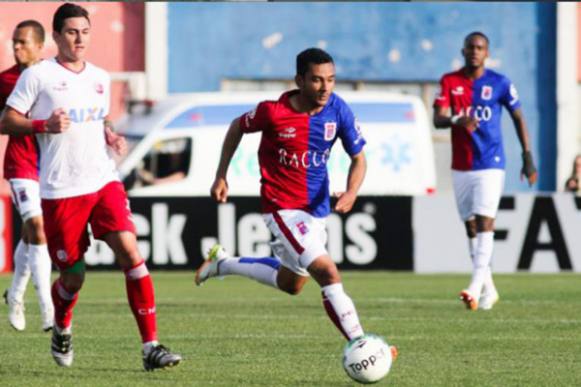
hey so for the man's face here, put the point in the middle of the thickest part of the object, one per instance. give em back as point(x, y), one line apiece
point(475, 51)
point(318, 83)
point(27, 49)
point(73, 39)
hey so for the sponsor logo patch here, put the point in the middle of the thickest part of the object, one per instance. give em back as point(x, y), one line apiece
point(459, 90)
point(288, 133)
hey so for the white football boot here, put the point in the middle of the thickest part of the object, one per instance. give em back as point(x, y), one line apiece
point(487, 300)
point(209, 268)
point(15, 313)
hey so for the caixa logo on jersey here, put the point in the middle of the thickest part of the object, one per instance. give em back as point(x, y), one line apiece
point(79, 115)
point(175, 233)
point(481, 113)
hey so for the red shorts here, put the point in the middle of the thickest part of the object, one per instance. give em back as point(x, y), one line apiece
point(66, 221)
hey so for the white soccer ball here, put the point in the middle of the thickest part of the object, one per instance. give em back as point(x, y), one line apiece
point(367, 359)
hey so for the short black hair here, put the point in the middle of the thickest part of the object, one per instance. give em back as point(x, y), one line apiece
point(476, 33)
point(36, 27)
point(311, 56)
point(67, 11)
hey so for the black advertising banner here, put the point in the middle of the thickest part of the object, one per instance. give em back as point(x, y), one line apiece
point(174, 232)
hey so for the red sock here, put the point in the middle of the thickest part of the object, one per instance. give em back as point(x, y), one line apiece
point(64, 302)
point(141, 298)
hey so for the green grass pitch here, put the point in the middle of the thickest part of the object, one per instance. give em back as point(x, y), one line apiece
point(238, 333)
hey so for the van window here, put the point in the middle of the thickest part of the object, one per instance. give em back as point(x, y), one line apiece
point(166, 162)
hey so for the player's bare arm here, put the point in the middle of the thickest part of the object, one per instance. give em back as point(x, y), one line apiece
point(528, 170)
point(16, 123)
point(443, 119)
point(355, 178)
point(219, 190)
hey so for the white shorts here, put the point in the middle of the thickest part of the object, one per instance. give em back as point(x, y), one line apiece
point(478, 192)
point(300, 238)
point(26, 197)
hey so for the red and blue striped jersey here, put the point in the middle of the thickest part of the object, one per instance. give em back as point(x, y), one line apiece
point(483, 99)
point(295, 148)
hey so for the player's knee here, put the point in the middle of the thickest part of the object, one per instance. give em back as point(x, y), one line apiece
point(127, 258)
point(292, 289)
point(73, 283)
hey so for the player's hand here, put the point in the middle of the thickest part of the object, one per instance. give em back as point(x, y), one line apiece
point(528, 168)
point(115, 141)
point(468, 122)
point(345, 201)
point(58, 122)
point(219, 190)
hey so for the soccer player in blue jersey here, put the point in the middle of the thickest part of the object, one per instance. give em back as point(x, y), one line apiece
point(470, 102)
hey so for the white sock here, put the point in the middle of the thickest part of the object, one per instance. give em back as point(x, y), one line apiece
point(148, 346)
point(481, 262)
point(488, 286)
point(263, 270)
point(341, 311)
point(21, 273)
point(472, 246)
point(63, 331)
point(41, 267)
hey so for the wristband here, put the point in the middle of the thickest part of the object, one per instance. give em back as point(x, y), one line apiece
point(39, 126)
point(454, 119)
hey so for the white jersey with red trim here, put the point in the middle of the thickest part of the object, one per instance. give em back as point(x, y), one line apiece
point(77, 161)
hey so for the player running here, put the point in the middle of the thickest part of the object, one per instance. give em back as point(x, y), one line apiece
point(68, 100)
point(298, 132)
point(21, 170)
point(470, 102)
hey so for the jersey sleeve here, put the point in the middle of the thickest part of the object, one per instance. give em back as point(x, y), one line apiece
point(443, 95)
point(255, 120)
point(509, 98)
point(25, 92)
point(350, 132)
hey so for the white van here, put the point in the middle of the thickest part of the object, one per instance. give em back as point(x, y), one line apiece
point(175, 145)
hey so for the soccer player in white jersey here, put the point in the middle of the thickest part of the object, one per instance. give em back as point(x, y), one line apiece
point(31, 257)
point(67, 100)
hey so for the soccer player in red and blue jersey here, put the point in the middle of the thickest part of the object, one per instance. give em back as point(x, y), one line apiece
point(298, 132)
point(470, 102)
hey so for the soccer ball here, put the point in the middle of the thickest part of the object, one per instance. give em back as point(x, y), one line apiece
point(367, 359)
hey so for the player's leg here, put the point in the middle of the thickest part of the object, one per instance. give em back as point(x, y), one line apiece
point(489, 292)
point(484, 253)
point(487, 191)
point(111, 222)
point(219, 263)
point(14, 296)
point(463, 183)
point(141, 297)
point(40, 263)
point(337, 303)
point(65, 227)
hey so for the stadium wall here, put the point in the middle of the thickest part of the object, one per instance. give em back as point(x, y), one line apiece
point(392, 42)
point(534, 233)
